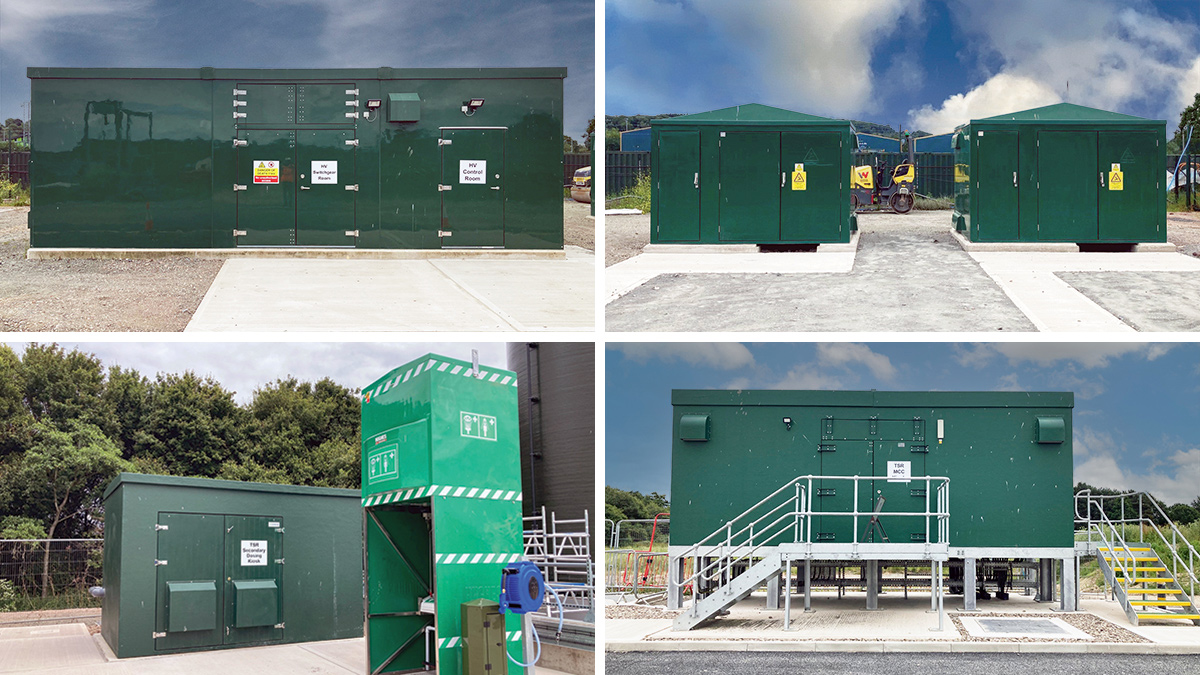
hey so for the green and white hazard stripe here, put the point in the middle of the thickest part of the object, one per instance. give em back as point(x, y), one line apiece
point(444, 366)
point(476, 558)
point(456, 641)
point(403, 495)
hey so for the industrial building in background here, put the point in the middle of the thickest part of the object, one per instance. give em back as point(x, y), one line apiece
point(195, 564)
point(783, 488)
point(1061, 173)
point(375, 158)
point(452, 582)
point(751, 174)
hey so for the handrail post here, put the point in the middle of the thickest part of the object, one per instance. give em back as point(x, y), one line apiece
point(855, 511)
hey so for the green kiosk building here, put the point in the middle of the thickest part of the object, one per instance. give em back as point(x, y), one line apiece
point(751, 174)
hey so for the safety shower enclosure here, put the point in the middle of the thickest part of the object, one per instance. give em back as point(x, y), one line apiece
point(1061, 173)
point(361, 158)
point(751, 174)
point(194, 564)
point(441, 498)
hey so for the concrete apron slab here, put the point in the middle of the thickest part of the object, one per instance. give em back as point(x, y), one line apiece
point(1031, 283)
point(1045, 246)
point(657, 259)
point(29, 648)
point(400, 295)
point(288, 253)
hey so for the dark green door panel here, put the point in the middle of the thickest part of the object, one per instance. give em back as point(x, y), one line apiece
point(324, 103)
point(749, 186)
point(995, 217)
point(253, 553)
point(472, 187)
point(267, 103)
point(326, 167)
point(1068, 180)
point(842, 457)
point(678, 198)
point(1130, 213)
point(186, 565)
point(266, 208)
point(815, 213)
point(899, 496)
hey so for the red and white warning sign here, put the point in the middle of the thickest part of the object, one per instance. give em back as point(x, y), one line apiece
point(266, 171)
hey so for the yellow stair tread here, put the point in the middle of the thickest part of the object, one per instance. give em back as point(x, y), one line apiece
point(1152, 591)
point(1151, 559)
point(1121, 550)
point(1164, 615)
point(1160, 603)
point(1152, 580)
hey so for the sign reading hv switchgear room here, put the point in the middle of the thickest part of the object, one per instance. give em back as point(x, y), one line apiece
point(324, 172)
point(474, 425)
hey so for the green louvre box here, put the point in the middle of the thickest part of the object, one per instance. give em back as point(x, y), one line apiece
point(194, 564)
point(363, 158)
point(1061, 173)
point(442, 503)
point(1007, 455)
point(751, 174)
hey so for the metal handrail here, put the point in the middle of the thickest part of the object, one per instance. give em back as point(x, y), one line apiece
point(1173, 545)
point(1118, 535)
point(735, 547)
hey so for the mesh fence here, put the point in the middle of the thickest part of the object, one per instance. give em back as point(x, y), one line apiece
point(14, 166)
point(61, 565)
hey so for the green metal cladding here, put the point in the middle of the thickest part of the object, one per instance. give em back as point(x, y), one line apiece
point(216, 158)
point(729, 177)
point(441, 495)
point(1061, 173)
point(196, 564)
point(1010, 484)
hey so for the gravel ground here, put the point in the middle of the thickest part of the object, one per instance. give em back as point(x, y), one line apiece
point(89, 616)
point(1183, 230)
point(624, 237)
point(94, 295)
point(1101, 630)
point(639, 612)
point(579, 228)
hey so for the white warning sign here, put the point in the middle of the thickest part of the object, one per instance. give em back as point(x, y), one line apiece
point(254, 553)
point(266, 171)
point(472, 171)
point(899, 472)
point(324, 172)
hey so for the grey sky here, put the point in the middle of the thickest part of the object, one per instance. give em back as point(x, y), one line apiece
point(301, 34)
point(246, 366)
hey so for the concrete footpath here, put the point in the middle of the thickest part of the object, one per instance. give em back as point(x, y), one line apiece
point(68, 648)
point(402, 295)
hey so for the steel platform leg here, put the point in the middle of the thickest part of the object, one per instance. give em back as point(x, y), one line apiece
point(808, 586)
point(871, 569)
point(675, 568)
point(969, 581)
point(773, 592)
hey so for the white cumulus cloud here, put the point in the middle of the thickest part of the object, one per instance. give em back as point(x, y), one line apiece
point(1001, 94)
point(723, 355)
point(850, 353)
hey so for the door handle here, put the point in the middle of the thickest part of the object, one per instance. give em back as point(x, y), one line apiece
point(1014, 179)
point(783, 179)
point(305, 187)
point(696, 181)
point(1101, 179)
point(496, 187)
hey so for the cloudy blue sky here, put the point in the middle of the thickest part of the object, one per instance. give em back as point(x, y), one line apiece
point(1137, 406)
point(245, 366)
point(929, 64)
point(300, 34)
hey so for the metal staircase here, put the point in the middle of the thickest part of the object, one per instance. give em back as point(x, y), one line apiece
point(1144, 585)
point(764, 540)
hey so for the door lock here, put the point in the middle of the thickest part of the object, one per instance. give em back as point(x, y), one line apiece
point(305, 187)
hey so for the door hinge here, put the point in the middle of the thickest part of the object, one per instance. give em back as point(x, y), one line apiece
point(238, 104)
point(351, 233)
point(353, 104)
point(239, 233)
point(280, 529)
point(159, 528)
point(239, 143)
point(352, 141)
point(353, 187)
point(445, 141)
point(155, 635)
point(444, 188)
point(160, 563)
point(352, 92)
point(352, 115)
point(279, 561)
point(238, 115)
point(444, 233)
point(279, 625)
point(237, 187)
point(239, 92)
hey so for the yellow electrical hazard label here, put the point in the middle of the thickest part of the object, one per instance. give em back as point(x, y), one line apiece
point(1116, 180)
point(266, 171)
point(799, 178)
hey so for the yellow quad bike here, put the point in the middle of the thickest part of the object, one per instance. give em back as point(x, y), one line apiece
point(868, 194)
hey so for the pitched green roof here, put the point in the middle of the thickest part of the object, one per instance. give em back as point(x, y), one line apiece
point(751, 112)
point(1065, 112)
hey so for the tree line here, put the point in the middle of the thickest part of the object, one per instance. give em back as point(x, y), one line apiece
point(69, 425)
